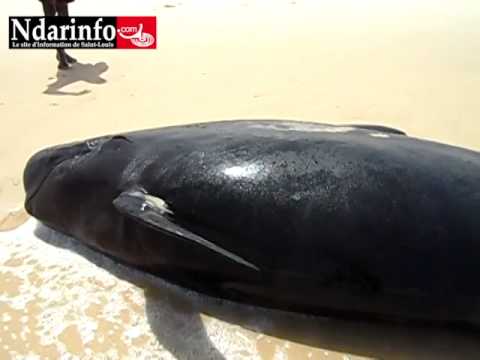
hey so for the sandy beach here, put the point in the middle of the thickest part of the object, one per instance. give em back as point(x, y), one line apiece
point(406, 64)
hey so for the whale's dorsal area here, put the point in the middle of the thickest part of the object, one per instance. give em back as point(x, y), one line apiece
point(325, 128)
point(381, 129)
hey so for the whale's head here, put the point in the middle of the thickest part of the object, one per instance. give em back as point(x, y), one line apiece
point(62, 181)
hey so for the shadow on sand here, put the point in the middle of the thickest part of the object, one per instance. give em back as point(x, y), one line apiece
point(174, 316)
point(90, 73)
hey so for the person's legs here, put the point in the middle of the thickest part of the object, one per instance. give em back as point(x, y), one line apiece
point(48, 8)
point(51, 8)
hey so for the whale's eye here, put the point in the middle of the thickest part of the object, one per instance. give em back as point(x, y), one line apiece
point(92, 144)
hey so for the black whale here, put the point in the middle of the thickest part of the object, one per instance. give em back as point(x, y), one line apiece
point(351, 220)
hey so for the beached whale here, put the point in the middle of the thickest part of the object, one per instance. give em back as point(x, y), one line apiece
point(337, 220)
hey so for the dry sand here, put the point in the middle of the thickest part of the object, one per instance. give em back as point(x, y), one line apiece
point(409, 64)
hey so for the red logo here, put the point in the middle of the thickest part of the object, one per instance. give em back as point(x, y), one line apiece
point(136, 32)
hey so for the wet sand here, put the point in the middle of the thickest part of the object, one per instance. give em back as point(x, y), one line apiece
point(407, 64)
point(60, 298)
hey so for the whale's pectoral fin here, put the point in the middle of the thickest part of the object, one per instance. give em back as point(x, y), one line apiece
point(379, 128)
point(155, 213)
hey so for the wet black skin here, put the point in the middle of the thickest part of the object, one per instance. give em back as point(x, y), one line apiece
point(341, 223)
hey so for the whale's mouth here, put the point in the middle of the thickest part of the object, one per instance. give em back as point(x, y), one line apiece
point(41, 165)
point(35, 185)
